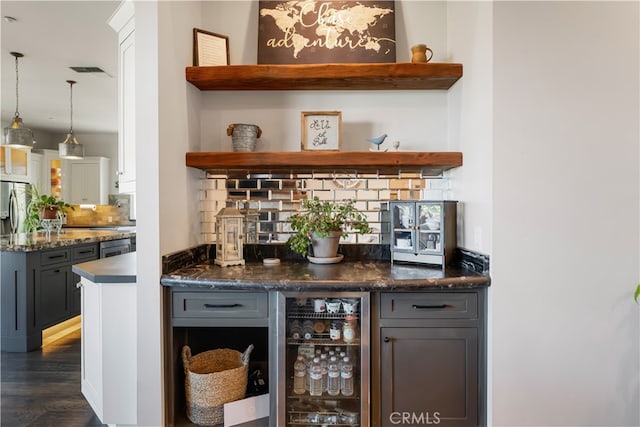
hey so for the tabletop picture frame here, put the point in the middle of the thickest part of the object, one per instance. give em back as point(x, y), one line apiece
point(321, 130)
point(209, 49)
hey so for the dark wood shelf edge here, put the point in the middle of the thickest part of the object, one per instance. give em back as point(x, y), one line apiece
point(377, 76)
point(426, 163)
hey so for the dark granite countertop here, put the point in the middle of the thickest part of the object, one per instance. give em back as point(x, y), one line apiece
point(27, 242)
point(305, 276)
point(116, 269)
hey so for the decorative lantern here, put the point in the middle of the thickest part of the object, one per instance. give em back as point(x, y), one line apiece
point(229, 237)
point(251, 218)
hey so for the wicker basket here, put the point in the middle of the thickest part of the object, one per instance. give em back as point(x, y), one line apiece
point(243, 136)
point(213, 378)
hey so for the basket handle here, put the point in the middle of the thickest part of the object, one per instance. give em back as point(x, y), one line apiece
point(186, 357)
point(245, 355)
point(259, 132)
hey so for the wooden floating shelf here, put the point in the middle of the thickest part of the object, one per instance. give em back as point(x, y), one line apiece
point(378, 76)
point(425, 163)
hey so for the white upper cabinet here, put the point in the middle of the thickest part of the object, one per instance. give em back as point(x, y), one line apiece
point(87, 181)
point(122, 21)
point(15, 164)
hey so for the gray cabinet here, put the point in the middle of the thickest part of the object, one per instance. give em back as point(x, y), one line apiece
point(38, 290)
point(429, 358)
point(207, 319)
point(54, 299)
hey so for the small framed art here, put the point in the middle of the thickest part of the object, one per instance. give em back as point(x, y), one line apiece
point(321, 130)
point(209, 48)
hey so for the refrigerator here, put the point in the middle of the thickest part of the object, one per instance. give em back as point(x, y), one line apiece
point(14, 199)
point(316, 324)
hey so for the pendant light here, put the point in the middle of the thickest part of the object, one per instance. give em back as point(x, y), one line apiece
point(16, 134)
point(71, 148)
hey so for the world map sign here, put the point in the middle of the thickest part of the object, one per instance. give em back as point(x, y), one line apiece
point(319, 32)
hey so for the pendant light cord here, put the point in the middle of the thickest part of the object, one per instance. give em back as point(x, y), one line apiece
point(17, 114)
point(71, 104)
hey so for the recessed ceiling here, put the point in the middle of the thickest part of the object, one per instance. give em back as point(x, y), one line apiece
point(54, 36)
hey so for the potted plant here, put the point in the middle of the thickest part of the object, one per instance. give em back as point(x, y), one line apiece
point(43, 206)
point(321, 224)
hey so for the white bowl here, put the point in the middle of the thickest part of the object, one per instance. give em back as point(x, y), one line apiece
point(403, 243)
point(432, 224)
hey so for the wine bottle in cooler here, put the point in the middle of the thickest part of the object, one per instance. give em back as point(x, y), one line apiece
point(299, 374)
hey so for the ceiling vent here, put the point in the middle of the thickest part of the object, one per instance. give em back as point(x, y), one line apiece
point(87, 69)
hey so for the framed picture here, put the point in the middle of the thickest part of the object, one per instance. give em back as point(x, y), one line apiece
point(209, 48)
point(322, 130)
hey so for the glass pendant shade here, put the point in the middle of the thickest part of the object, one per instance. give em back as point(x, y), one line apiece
point(71, 148)
point(16, 134)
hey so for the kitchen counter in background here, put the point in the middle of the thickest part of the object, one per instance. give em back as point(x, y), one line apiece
point(27, 242)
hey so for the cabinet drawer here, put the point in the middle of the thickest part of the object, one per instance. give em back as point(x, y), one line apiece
point(234, 305)
point(56, 256)
point(430, 305)
point(85, 252)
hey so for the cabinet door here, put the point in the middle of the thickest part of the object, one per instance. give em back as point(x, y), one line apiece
point(429, 376)
point(55, 299)
point(85, 183)
point(15, 164)
point(127, 134)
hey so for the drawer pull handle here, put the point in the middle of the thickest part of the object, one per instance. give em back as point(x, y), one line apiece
point(90, 251)
point(56, 256)
point(431, 307)
point(386, 339)
point(222, 305)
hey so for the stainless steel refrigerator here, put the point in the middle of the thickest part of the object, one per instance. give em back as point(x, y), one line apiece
point(14, 198)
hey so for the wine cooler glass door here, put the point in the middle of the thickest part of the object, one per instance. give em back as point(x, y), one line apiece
point(323, 360)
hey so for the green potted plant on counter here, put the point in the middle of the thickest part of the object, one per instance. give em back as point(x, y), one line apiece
point(43, 206)
point(321, 224)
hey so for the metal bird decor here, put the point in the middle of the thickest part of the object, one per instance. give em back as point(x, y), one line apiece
point(378, 141)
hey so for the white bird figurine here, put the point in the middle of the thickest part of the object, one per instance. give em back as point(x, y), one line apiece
point(378, 140)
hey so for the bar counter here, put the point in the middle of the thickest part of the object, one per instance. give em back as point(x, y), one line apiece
point(304, 276)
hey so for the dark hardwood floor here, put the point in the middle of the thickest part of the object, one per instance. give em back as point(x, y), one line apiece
point(42, 388)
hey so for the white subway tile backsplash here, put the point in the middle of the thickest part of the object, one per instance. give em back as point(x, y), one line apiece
point(276, 197)
point(367, 195)
point(378, 184)
point(344, 195)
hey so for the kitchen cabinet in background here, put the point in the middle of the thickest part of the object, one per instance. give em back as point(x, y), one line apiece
point(122, 21)
point(87, 181)
point(49, 178)
point(15, 164)
point(38, 290)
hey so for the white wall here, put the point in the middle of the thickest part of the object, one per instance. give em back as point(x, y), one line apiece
point(149, 321)
point(565, 214)
point(418, 119)
point(470, 39)
point(166, 189)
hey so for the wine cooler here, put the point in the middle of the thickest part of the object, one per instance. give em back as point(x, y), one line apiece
point(322, 359)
